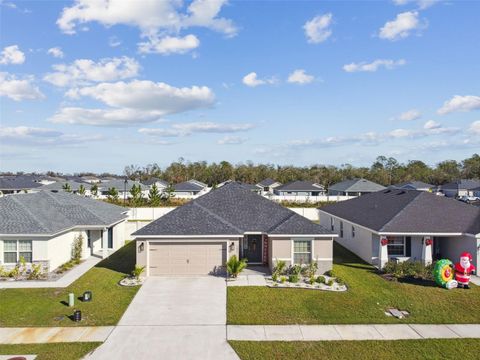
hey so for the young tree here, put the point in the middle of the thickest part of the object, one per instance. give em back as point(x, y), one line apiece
point(112, 195)
point(66, 187)
point(136, 192)
point(81, 190)
point(168, 192)
point(154, 195)
point(94, 190)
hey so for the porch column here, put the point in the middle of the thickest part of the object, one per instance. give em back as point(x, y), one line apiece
point(104, 243)
point(382, 252)
point(427, 243)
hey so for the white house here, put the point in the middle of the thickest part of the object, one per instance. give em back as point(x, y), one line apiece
point(405, 225)
point(41, 227)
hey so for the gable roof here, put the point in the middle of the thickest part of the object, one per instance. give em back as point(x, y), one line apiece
point(21, 182)
point(463, 184)
point(58, 186)
point(119, 184)
point(414, 185)
point(356, 185)
point(188, 186)
point(231, 210)
point(154, 180)
point(47, 213)
point(300, 186)
point(267, 182)
point(408, 211)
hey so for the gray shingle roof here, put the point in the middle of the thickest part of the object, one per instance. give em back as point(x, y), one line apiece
point(300, 186)
point(408, 211)
point(58, 186)
point(152, 181)
point(464, 184)
point(47, 213)
point(187, 186)
point(119, 185)
point(413, 185)
point(231, 210)
point(356, 185)
point(267, 182)
point(18, 182)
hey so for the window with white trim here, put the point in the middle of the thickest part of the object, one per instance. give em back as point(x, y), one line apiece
point(332, 224)
point(13, 250)
point(302, 251)
point(341, 229)
point(396, 245)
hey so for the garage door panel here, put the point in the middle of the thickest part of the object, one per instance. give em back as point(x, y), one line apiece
point(186, 258)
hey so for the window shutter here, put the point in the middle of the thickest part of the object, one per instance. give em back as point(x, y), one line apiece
point(408, 246)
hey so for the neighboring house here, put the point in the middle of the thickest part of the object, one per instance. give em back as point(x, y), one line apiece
point(200, 236)
point(300, 188)
point(17, 184)
point(459, 188)
point(161, 184)
point(255, 188)
point(269, 185)
point(41, 228)
point(414, 185)
point(190, 189)
point(60, 187)
point(354, 187)
point(90, 179)
point(405, 225)
point(123, 186)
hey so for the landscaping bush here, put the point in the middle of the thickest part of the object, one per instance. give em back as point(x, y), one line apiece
point(293, 278)
point(330, 282)
point(77, 247)
point(408, 269)
point(138, 271)
point(36, 272)
point(279, 269)
point(294, 270)
point(320, 279)
point(235, 266)
point(330, 273)
point(310, 270)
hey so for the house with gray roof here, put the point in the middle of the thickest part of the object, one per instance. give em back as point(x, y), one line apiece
point(161, 184)
point(199, 237)
point(18, 183)
point(41, 227)
point(459, 188)
point(123, 187)
point(269, 185)
point(300, 188)
point(190, 189)
point(73, 186)
point(414, 185)
point(405, 225)
point(354, 187)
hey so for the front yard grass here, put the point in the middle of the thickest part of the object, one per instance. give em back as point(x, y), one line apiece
point(48, 306)
point(57, 351)
point(367, 298)
point(343, 350)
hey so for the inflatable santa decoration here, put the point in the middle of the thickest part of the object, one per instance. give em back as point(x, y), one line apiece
point(463, 270)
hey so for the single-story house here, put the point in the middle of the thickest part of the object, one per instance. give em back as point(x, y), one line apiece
point(300, 188)
point(459, 188)
point(190, 188)
point(123, 186)
point(161, 184)
point(354, 187)
point(17, 183)
point(41, 227)
point(405, 225)
point(268, 185)
point(414, 185)
point(199, 237)
point(74, 186)
point(255, 188)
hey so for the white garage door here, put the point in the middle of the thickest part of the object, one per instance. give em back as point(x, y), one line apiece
point(186, 258)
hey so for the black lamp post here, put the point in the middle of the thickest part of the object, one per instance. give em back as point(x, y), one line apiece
point(125, 191)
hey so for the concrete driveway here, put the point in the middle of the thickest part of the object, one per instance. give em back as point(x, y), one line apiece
point(172, 318)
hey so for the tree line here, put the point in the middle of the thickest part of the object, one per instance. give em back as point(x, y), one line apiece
point(384, 170)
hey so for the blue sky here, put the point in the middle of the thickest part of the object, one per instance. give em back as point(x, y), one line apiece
point(97, 85)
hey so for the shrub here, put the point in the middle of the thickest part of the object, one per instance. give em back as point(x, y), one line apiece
point(330, 282)
point(279, 268)
point(283, 279)
point(408, 269)
point(138, 271)
point(294, 270)
point(77, 247)
point(2, 272)
point(330, 273)
point(311, 280)
point(293, 278)
point(15, 272)
point(310, 270)
point(235, 266)
point(320, 279)
point(36, 272)
point(340, 281)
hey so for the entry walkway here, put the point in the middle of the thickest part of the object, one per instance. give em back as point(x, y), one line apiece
point(351, 332)
point(62, 282)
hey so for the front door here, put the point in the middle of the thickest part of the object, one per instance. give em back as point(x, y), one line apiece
point(252, 248)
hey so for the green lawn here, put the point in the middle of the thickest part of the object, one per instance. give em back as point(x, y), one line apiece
point(57, 351)
point(465, 349)
point(47, 307)
point(365, 301)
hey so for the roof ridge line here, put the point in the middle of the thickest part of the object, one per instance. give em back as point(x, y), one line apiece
point(402, 210)
point(218, 217)
point(29, 212)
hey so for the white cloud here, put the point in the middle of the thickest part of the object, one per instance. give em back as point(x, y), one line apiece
point(12, 55)
point(85, 71)
point(25, 135)
point(55, 52)
point(299, 76)
point(318, 30)
point(252, 80)
point(409, 115)
point(113, 41)
point(155, 19)
point(187, 129)
point(402, 26)
point(231, 140)
point(133, 102)
point(374, 65)
point(431, 125)
point(19, 89)
point(460, 103)
point(169, 45)
point(422, 4)
point(475, 127)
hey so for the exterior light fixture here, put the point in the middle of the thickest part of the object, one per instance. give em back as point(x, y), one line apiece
point(232, 246)
point(141, 247)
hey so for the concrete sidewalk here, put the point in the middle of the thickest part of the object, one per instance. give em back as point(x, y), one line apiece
point(351, 332)
point(41, 335)
point(63, 282)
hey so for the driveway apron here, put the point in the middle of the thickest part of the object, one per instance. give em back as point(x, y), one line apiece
point(172, 318)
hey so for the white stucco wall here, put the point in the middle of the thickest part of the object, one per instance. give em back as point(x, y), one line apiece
point(452, 247)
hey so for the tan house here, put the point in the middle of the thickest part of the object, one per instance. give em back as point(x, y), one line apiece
point(199, 237)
